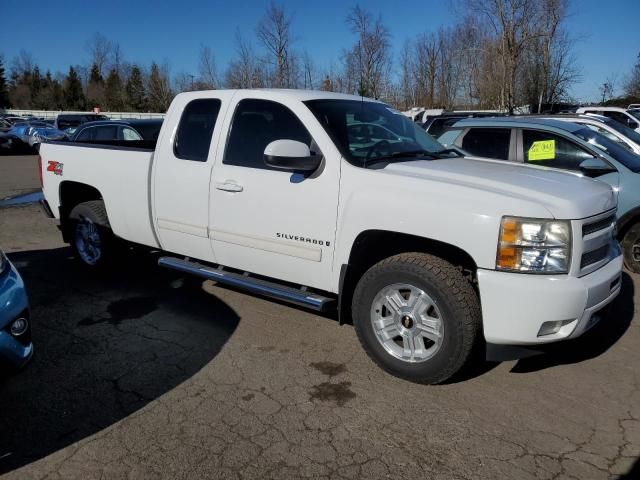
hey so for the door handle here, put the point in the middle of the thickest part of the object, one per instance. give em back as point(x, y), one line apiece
point(229, 186)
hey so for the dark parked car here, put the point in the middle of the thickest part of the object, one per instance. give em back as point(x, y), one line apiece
point(70, 120)
point(118, 130)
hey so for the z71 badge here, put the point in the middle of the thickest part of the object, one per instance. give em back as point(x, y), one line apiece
point(55, 167)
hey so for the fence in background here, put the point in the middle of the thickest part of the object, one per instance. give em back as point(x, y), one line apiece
point(53, 114)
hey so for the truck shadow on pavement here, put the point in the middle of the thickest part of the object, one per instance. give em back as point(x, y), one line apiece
point(593, 343)
point(105, 345)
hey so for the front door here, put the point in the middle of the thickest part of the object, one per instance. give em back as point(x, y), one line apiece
point(267, 221)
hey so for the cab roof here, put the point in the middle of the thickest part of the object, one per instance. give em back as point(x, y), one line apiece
point(294, 94)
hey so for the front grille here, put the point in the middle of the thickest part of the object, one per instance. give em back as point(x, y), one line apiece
point(598, 225)
point(594, 256)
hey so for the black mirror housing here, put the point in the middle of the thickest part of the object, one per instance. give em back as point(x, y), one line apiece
point(294, 164)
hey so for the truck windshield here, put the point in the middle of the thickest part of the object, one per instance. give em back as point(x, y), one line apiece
point(611, 148)
point(366, 132)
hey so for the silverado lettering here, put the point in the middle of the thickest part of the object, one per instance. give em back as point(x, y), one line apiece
point(301, 238)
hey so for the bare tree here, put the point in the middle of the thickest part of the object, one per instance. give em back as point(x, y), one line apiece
point(632, 82)
point(371, 56)
point(274, 32)
point(607, 89)
point(244, 71)
point(100, 50)
point(158, 88)
point(407, 79)
point(23, 63)
point(207, 69)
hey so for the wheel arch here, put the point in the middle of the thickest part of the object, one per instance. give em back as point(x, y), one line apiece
point(71, 194)
point(371, 246)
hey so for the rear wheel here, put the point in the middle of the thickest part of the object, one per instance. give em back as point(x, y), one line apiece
point(417, 317)
point(91, 237)
point(631, 248)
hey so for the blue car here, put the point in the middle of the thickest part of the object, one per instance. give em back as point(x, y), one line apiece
point(16, 348)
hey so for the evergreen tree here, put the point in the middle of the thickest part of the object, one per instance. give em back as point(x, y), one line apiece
point(113, 97)
point(135, 92)
point(4, 90)
point(73, 95)
point(95, 88)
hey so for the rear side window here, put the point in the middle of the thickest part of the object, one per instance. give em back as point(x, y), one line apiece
point(488, 142)
point(195, 130)
point(257, 123)
point(106, 133)
point(550, 150)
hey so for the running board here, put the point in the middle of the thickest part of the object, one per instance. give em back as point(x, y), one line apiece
point(263, 287)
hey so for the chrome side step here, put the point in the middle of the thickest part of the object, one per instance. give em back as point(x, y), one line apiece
point(263, 287)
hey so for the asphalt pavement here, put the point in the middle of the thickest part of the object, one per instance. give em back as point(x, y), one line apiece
point(142, 373)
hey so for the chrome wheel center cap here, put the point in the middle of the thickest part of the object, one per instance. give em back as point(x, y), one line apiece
point(407, 321)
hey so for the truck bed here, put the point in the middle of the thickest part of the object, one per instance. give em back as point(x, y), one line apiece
point(120, 174)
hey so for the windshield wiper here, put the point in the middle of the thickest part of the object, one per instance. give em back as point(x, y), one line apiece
point(408, 153)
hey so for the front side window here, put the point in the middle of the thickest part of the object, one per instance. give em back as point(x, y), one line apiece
point(488, 142)
point(85, 135)
point(366, 132)
point(257, 123)
point(551, 150)
point(195, 129)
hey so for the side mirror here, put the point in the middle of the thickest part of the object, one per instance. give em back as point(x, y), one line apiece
point(291, 155)
point(593, 167)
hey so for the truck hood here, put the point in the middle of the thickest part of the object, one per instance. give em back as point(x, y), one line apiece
point(565, 195)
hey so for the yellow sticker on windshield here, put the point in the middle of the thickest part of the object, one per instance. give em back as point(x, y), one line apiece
point(542, 150)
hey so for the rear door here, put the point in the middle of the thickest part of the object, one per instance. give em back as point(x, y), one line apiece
point(272, 222)
point(182, 172)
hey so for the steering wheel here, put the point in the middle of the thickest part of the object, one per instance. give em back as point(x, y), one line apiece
point(373, 148)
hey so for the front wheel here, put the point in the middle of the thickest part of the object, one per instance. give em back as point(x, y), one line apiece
point(417, 317)
point(91, 236)
point(631, 248)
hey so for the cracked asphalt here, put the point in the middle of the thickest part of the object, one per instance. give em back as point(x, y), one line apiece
point(142, 373)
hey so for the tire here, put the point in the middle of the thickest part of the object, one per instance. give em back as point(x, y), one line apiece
point(631, 242)
point(441, 330)
point(92, 240)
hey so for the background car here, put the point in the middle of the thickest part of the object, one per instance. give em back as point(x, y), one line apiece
point(118, 130)
point(38, 134)
point(16, 347)
point(612, 129)
point(67, 120)
point(630, 118)
point(434, 126)
point(566, 146)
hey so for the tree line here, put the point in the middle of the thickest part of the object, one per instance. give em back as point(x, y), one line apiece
point(501, 54)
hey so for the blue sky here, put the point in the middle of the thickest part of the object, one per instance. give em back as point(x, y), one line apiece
point(56, 33)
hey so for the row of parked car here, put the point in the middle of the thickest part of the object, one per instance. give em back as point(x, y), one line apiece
point(23, 135)
point(598, 142)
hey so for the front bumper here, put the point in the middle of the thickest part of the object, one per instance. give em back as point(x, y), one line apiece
point(515, 305)
point(14, 304)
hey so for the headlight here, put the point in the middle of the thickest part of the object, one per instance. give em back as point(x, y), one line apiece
point(4, 263)
point(534, 246)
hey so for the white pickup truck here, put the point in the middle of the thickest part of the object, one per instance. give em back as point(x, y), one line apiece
point(334, 201)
